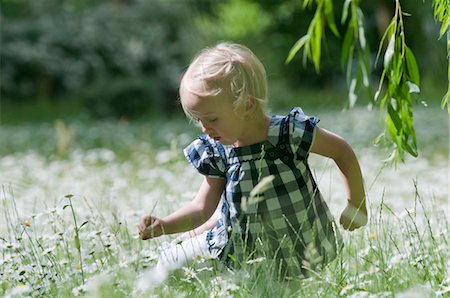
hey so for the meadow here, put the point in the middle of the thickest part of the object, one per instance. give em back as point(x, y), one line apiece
point(73, 192)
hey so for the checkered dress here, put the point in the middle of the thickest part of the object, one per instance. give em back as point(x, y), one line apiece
point(290, 223)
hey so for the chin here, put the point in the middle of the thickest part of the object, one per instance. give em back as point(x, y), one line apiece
point(224, 142)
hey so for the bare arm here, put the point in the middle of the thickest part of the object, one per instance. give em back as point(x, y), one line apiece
point(208, 225)
point(192, 215)
point(333, 146)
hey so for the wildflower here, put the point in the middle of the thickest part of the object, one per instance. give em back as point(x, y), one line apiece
point(416, 292)
point(149, 254)
point(373, 236)
point(19, 290)
point(360, 294)
point(395, 260)
point(374, 270)
point(26, 223)
point(223, 288)
point(443, 291)
point(151, 278)
point(345, 289)
point(48, 250)
point(78, 291)
point(77, 266)
point(189, 273)
point(210, 269)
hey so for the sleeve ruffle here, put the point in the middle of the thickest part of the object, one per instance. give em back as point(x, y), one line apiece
point(204, 155)
point(302, 129)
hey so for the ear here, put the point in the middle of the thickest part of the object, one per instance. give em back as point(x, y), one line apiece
point(251, 105)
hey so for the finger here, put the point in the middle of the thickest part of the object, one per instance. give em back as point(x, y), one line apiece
point(150, 220)
point(145, 222)
point(142, 223)
point(144, 235)
point(142, 227)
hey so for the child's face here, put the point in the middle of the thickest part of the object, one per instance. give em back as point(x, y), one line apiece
point(217, 116)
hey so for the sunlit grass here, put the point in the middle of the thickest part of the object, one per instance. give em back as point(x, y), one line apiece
point(112, 173)
point(393, 255)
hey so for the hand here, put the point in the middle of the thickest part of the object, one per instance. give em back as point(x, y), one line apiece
point(150, 227)
point(353, 217)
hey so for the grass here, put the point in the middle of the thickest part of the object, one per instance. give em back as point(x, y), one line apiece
point(69, 210)
point(49, 254)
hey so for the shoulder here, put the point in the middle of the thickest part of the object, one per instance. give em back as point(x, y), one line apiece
point(207, 156)
point(300, 130)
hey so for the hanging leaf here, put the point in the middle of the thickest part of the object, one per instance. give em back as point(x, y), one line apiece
point(389, 52)
point(413, 88)
point(347, 45)
point(316, 42)
point(297, 47)
point(411, 65)
point(394, 116)
point(446, 100)
point(345, 11)
point(329, 15)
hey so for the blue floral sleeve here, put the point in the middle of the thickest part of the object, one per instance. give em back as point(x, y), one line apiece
point(204, 156)
point(302, 129)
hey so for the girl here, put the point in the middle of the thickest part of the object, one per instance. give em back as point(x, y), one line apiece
point(225, 91)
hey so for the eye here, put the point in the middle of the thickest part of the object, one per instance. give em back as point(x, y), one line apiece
point(212, 120)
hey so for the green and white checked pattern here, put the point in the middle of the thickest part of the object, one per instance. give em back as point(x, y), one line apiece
point(290, 216)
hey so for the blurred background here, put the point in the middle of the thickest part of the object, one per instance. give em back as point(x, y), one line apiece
point(122, 59)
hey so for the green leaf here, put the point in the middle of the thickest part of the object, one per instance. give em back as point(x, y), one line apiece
point(83, 224)
point(411, 66)
point(393, 114)
point(347, 45)
point(380, 86)
point(444, 27)
point(348, 72)
point(362, 36)
point(316, 43)
point(413, 88)
point(364, 66)
point(411, 149)
point(345, 11)
point(386, 34)
point(307, 3)
point(77, 242)
point(352, 97)
point(329, 15)
point(297, 47)
point(446, 100)
point(389, 52)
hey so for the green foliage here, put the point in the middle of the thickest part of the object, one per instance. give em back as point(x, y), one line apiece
point(400, 253)
point(312, 41)
point(400, 76)
point(124, 96)
point(236, 19)
point(61, 48)
point(442, 14)
point(357, 71)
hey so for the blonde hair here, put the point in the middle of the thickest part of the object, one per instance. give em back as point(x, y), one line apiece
point(227, 67)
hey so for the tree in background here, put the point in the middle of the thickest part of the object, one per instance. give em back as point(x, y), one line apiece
point(125, 57)
point(122, 58)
